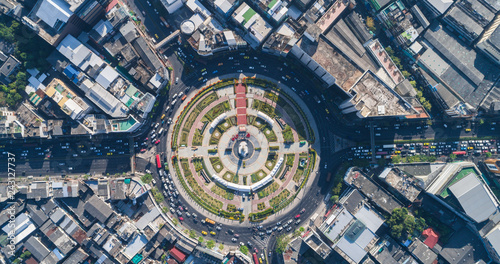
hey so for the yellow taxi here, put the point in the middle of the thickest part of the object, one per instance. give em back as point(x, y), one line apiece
point(110, 154)
point(426, 144)
point(201, 78)
point(433, 147)
point(467, 130)
point(470, 147)
point(246, 57)
point(212, 233)
point(326, 110)
point(397, 152)
point(204, 233)
point(163, 116)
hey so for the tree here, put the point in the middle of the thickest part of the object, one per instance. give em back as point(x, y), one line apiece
point(336, 190)
point(370, 24)
point(200, 240)
point(296, 233)
point(409, 224)
point(406, 74)
point(453, 156)
point(488, 154)
point(397, 231)
point(221, 246)
point(210, 244)
point(481, 121)
point(334, 199)
point(244, 249)
point(302, 229)
point(147, 178)
point(389, 51)
point(420, 225)
point(396, 159)
point(413, 83)
point(175, 221)
point(26, 254)
point(281, 243)
point(192, 233)
point(164, 209)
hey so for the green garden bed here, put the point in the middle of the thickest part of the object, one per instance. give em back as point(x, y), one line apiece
point(216, 161)
point(222, 192)
point(258, 176)
point(210, 98)
point(270, 189)
point(276, 200)
point(287, 134)
point(271, 161)
point(197, 138)
point(270, 135)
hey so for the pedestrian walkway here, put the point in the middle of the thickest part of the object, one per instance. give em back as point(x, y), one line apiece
point(241, 104)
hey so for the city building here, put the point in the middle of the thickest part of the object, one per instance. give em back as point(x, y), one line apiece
point(224, 8)
point(256, 28)
point(387, 250)
point(8, 68)
point(469, 18)
point(379, 196)
point(273, 10)
point(489, 43)
point(53, 20)
point(403, 28)
point(493, 166)
point(422, 252)
point(460, 78)
point(281, 41)
point(400, 183)
point(351, 228)
point(72, 105)
point(437, 7)
point(372, 98)
point(463, 182)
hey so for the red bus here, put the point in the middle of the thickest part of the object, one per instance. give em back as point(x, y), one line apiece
point(255, 258)
point(158, 162)
point(459, 152)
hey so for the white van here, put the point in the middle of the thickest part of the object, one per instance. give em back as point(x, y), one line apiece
point(161, 131)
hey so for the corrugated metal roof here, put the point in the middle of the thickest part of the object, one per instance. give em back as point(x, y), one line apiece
point(474, 198)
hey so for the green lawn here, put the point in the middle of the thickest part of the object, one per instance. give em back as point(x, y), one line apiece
point(197, 138)
point(455, 179)
point(287, 134)
point(212, 97)
point(249, 14)
point(258, 176)
point(276, 200)
point(216, 164)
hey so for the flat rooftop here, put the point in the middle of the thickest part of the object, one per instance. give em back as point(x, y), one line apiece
point(374, 192)
point(345, 72)
point(402, 183)
point(374, 98)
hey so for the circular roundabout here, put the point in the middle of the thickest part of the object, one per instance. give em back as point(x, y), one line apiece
point(242, 148)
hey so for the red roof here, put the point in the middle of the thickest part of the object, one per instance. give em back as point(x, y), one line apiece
point(111, 5)
point(178, 255)
point(432, 237)
point(31, 261)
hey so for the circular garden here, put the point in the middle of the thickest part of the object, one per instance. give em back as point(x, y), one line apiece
point(242, 148)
